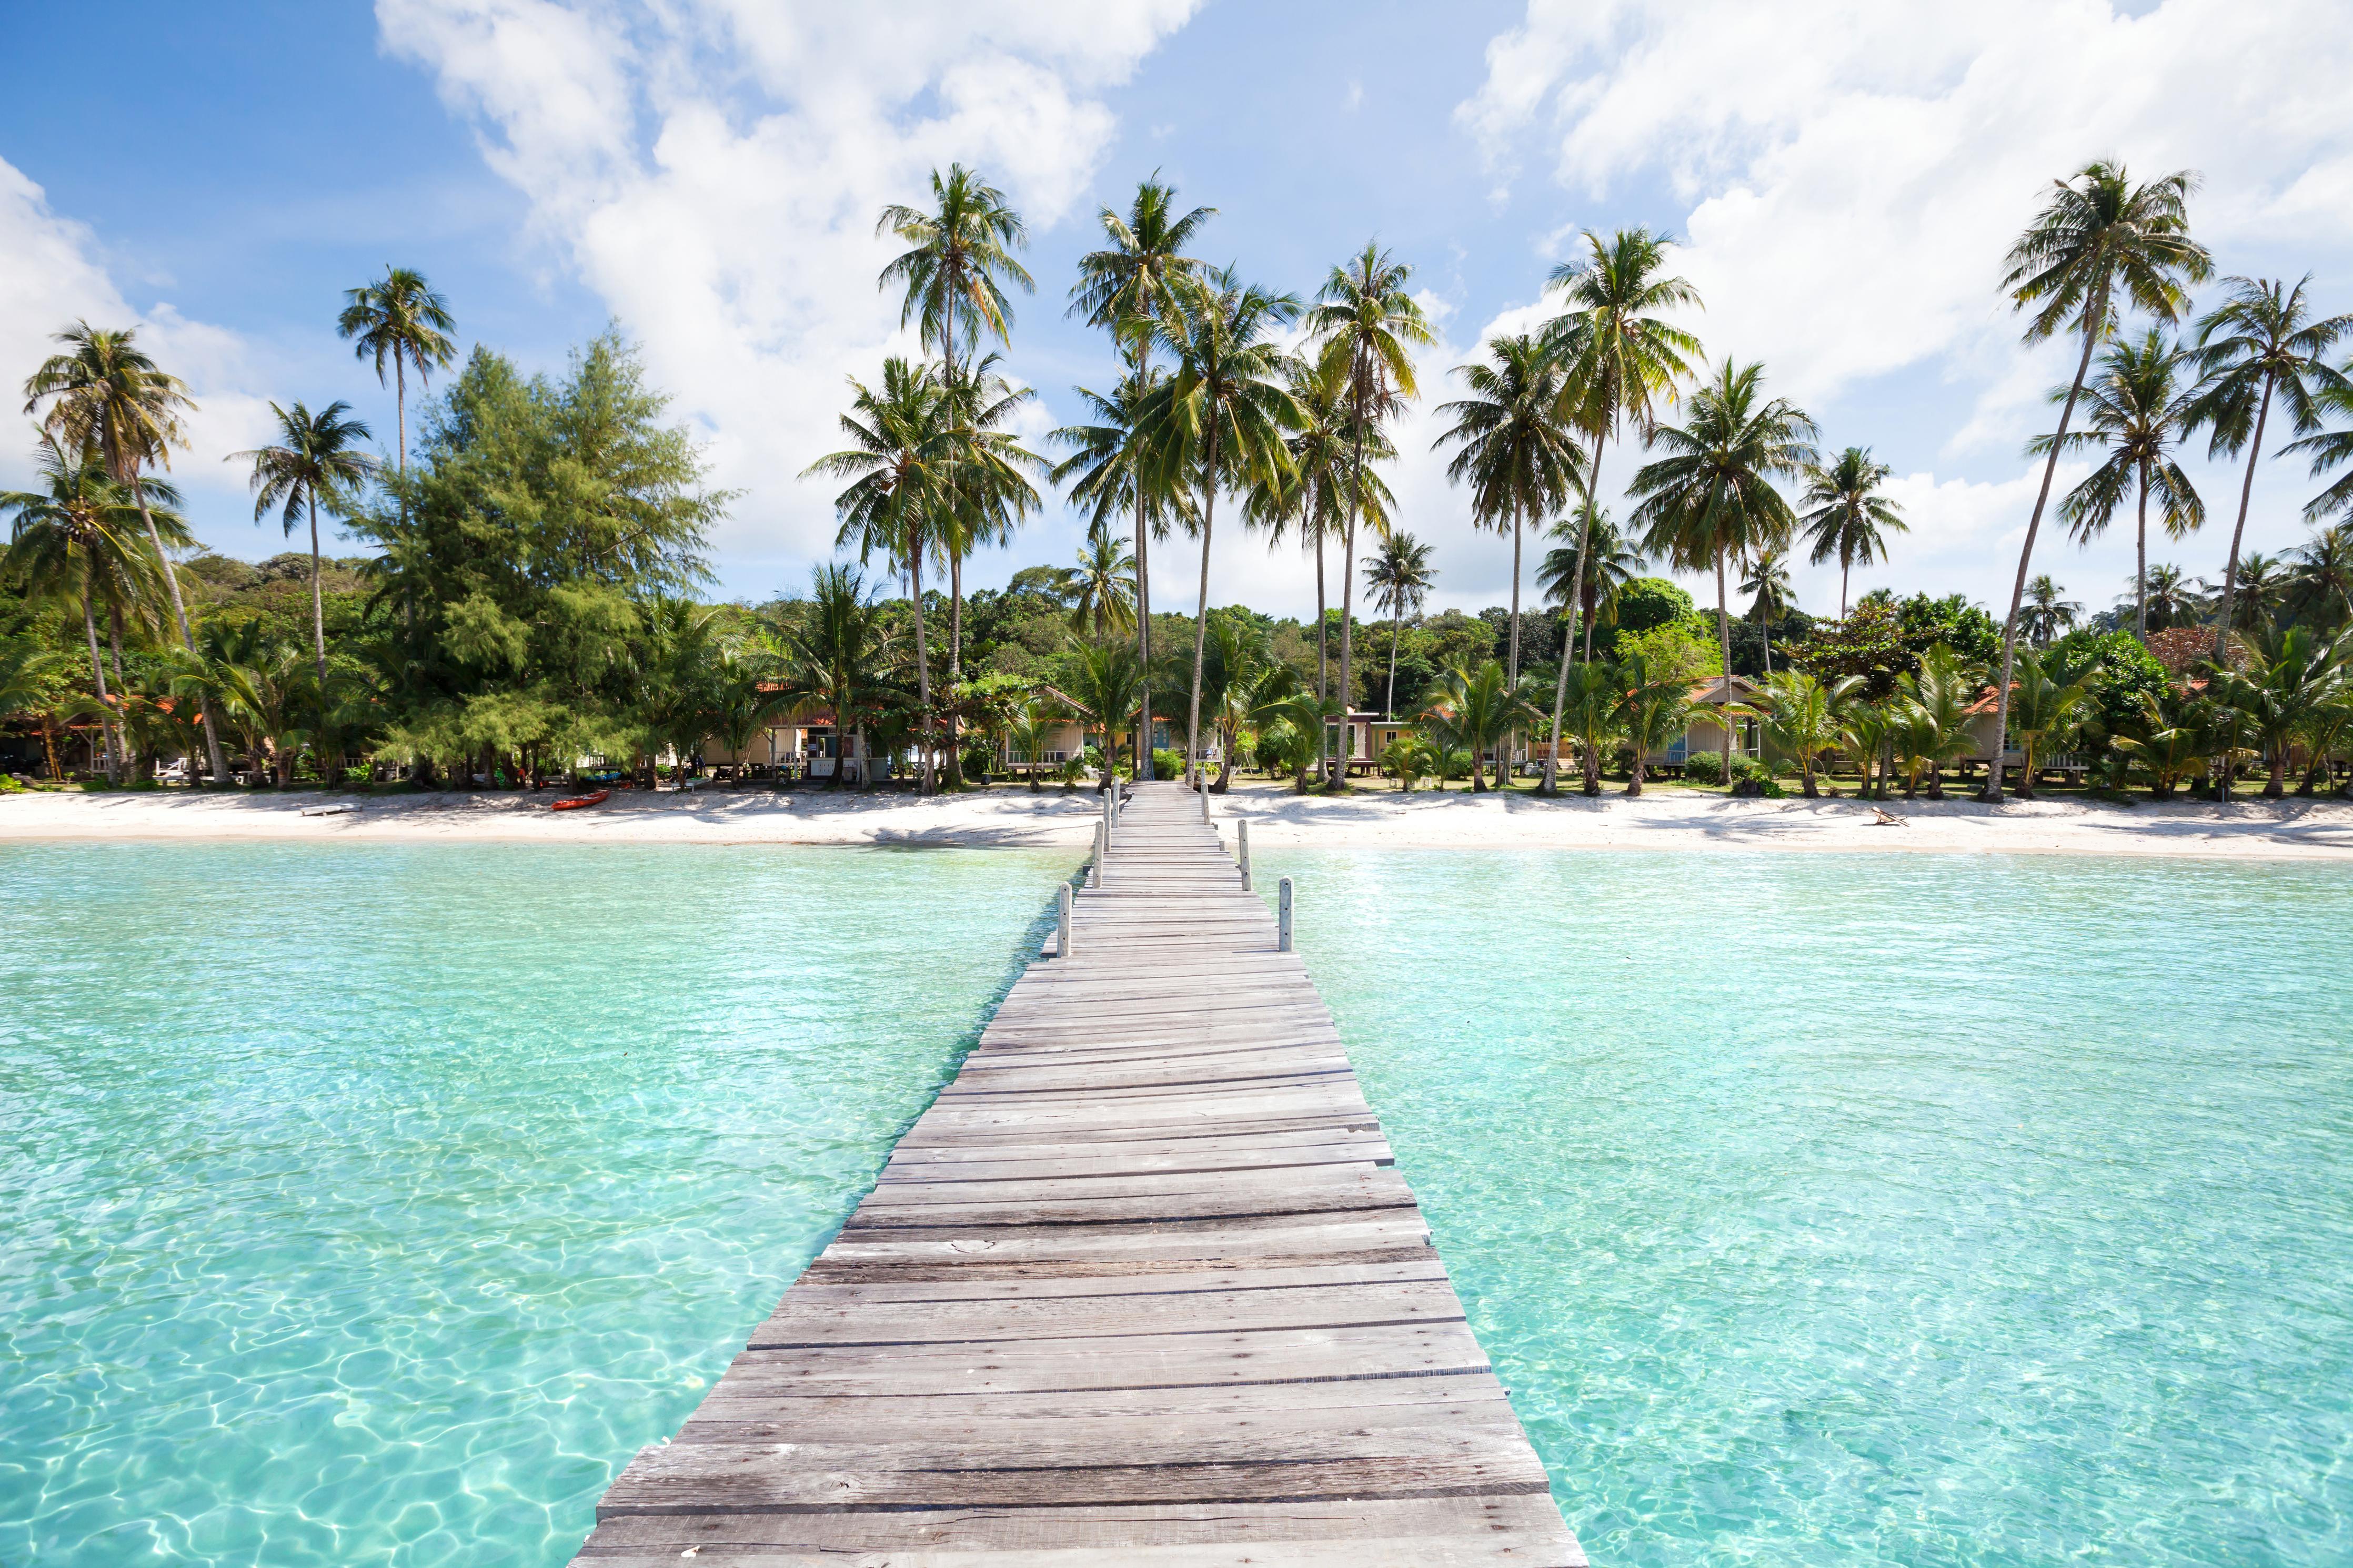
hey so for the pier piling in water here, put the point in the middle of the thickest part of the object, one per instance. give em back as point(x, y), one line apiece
point(1140, 1287)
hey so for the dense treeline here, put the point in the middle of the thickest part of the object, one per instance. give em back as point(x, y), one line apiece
point(533, 595)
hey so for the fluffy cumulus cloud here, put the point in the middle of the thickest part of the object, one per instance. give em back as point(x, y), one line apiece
point(713, 168)
point(52, 274)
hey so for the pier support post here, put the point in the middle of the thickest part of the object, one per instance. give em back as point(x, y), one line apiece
point(1062, 924)
point(1094, 866)
point(1241, 853)
point(1283, 916)
point(1204, 795)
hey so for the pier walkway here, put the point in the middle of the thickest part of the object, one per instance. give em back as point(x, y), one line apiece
point(1140, 1289)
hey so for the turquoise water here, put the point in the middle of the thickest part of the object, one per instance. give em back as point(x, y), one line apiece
point(1882, 1210)
point(372, 1204)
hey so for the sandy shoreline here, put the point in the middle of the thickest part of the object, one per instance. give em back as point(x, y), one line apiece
point(1664, 819)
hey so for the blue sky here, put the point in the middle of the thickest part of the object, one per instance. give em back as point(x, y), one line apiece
point(1846, 176)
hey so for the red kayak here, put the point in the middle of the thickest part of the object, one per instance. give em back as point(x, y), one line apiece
point(576, 802)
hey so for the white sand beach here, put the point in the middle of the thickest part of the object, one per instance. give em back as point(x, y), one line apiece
point(1664, 818)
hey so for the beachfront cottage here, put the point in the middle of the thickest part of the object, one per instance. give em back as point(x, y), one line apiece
point(1704, 734)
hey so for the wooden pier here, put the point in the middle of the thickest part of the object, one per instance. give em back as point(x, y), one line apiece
point(1141, 1287)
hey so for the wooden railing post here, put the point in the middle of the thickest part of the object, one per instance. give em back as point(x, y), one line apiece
point(1096, 866)
point(1241, 853)
point(1283, 916)
point(1063, 924)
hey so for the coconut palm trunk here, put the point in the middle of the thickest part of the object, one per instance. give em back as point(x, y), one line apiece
point(2237, 530)
point(2140, 562)
point(180, 612)
point(318, 602)
point(1143, 638)
point(2094, 316)
point(1724, 637)
point(1397, 630)
point(1576, 598)
point(98, 673)
point(923, 667)
point(1322, 658)
point(1193, 776)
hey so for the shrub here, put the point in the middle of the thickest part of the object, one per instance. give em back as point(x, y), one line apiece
point(977, 761)
point(1707, 768)
point(1167, 763)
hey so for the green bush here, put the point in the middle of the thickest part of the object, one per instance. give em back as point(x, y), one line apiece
point(1167, 763)
point(1707, 768)
point(978, 762)
point(11, 785)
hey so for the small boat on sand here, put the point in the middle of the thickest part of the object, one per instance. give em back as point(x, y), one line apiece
point(577, 802)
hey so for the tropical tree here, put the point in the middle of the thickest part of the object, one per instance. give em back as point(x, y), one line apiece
point(1712, 497)
point(1623, 363)
point(1219, 422)
point(1307, 490)
point(2169, 738)
point(105, 394)
point(1516, 448)
point(1765, 578)
point(1850, 520)
point(2264, 583)
point(1473, 709)
point(1133, 281)
point(1103, 594)
point(1932, 715)
point(2289, 676)
point(1029, 726)
point(2047, 614)
point(986, 474)
point(1805, 716)
point(2262, 342)
point(1651, 711)
point(1868, 730)
point(2097, 234)
point(399, 319)
point(1398, 577)
point(2324, 573)
point(317, 457)
point(2048, 706)
point(1290, 733)
point(838, 656)
point(896, 494)
point(77, 541)
point(2138, 412)
point(1366, 325)
point(1590, 715)
point(1615, 563)
point(2167, 595)
point(1408, 759)
point(1102, 681)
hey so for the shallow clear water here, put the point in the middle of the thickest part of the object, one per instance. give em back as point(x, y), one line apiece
point(1882, 1210)
point(372, 1204)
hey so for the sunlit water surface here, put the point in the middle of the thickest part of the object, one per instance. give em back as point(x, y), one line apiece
point(372, 1205)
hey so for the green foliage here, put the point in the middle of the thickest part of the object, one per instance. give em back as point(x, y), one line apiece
point(1685, 649)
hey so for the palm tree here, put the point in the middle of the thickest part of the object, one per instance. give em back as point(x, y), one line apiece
point(2264, 583)
point(2169, 738)
point(73, 541)
point(896, 493)
point(838, 655)
point(1766, 579)
point(316, 455)
point(1239, 678)
point(1615, 563)
point(1805, 716)
point(1110, 473)
point(1367, 325)
point(399, 318)
point(1650, 713)
point(2262, 341)
point(1101, 596)
point(1218, 421)
point(1935, 713)
point(2139, 414)
point(2047, 615)
point(2166, 593)
point(985, 470)
point(1712, 498)
point(2290, 676)
point(1398, 577)
point(2324, 569)
point(1133, 281)
point(2097, 234)
point(1475, 709)
point(958, 260)
point(106, 395)
point(1591, 714)
point(1102, 681)
point(1409, 758)
point(1624, 362)
point(1519, 453)
point(1027, 728)
point(1850, 519)
point(2047, 706)
point(1309, 487)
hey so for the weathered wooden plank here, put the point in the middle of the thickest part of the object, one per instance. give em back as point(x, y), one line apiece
point(1140, 1287)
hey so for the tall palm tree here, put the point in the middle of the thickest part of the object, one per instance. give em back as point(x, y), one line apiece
point(1308, 489)
point(399, 318)
point(1367, 325)
point(1624, 362)
point(1850, 519)
point(985, 473)
point(2167, 593)
point(1111, 473)
point(2046, 614)
point(838, 655)
point(896, 496)
point(1219, 422)
point(2047, 707)
point(2096, 235)
point(1615, 563)
point(76, 541)
point(2138, 412)
point(1130, 283)
point(1101, 594)
point(106, 395)
point(1102, 681)
point(2325, 570)
point(317, 456)
point(1475, 709)
point(2264, 583)
point(1517, 451)
point(1765, 578)
point(2262, 341)
point(1398, 577)
point(1712, 497)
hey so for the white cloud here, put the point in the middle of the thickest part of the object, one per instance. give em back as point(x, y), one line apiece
point(712, 169)
point(52, 275)
point(1853, 171)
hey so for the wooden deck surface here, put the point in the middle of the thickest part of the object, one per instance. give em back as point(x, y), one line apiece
point(1141, 1287)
